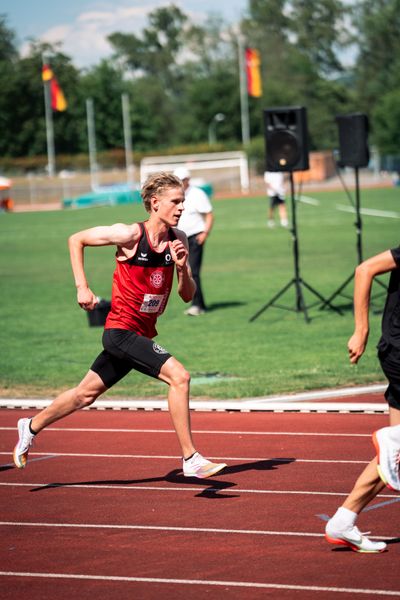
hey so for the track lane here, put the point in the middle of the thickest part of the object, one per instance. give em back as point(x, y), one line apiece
point(270, 559)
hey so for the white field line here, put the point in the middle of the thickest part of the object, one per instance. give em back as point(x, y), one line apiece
point(371, 212)
point(204, 582)
point(196, 431)
point(135, 488)
point(168, 457)
point(309, 200)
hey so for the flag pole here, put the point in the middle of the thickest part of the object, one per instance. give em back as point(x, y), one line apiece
point(92, 143)
point(51, 162)
point(244, 103)
point(127, 138)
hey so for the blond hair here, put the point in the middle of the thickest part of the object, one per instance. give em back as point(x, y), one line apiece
point(157, 183)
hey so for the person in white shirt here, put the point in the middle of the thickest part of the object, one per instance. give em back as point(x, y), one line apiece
point(196, 221)
point(275, 183)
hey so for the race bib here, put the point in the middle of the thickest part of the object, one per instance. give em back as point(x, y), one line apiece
point(152, 303)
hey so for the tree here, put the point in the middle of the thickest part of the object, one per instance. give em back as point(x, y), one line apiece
point(8, 83)
point(156, 52)
point(386, 122)
point(320, 32)
point(104, 85)
point(377, 24)
point(294, 65)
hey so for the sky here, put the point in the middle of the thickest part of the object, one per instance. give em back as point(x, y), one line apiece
point(83, 25)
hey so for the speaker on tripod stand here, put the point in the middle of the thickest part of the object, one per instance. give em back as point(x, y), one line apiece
point(286, 140)
point(353, 130)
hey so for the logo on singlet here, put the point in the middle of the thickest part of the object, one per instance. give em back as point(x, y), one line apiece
point(157, 279)
point(143, 256)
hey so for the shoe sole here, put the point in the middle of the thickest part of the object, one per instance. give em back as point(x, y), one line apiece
point(209, 473)
point(353, 547)
point(20, 460)
point(20, 464)
point(378, 466)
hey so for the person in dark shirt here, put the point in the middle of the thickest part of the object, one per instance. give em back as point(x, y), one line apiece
point(383, 470)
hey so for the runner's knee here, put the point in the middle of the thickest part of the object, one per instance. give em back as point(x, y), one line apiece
point(85, 397)
point(180, 377)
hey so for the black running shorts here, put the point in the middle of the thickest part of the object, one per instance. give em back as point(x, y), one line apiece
point(389, 357)
point(126, 350)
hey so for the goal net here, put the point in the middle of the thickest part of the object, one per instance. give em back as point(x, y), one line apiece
point(227, 171)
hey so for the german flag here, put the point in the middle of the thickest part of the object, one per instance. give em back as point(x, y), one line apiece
point(253, 62)
point(58, 101)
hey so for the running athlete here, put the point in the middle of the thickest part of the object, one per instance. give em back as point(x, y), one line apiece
point(147, 255)
point(384, 469)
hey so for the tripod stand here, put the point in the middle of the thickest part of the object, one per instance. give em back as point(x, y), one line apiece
point(358, 226)
point(297, 281)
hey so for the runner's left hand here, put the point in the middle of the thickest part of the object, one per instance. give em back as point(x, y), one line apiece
point(179, 252)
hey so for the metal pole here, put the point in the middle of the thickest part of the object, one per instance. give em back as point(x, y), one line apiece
point(128, 139)
point(358, 222)
point(92, 143)
point(51, 162)
point(244, 102)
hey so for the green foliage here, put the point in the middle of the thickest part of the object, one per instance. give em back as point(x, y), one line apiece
point(179, 74)
point(377, 68)
point(48, 345)
point(156, 52)
point(387, 123)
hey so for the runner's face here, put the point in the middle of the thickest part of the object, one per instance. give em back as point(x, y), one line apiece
point(170, 205)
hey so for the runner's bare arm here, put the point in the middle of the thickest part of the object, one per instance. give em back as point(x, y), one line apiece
point(119, 234)
point(364, 276)
point(180, 255)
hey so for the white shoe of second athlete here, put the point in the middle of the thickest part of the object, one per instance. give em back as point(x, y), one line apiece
point(387, 444)
point(352, 538)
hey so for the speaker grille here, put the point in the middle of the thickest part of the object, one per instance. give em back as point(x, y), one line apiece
point(283, 149)
point(286, 138)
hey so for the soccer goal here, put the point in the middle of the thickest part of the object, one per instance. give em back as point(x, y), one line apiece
point(223, 170)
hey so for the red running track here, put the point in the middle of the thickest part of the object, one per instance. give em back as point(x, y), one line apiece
point(102, 509)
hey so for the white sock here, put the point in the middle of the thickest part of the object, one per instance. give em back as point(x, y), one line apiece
point(344, 518)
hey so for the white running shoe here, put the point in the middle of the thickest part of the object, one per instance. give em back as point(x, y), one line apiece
point(200, 467)
point(387, 444)
point(352, 538)
point(25, 441)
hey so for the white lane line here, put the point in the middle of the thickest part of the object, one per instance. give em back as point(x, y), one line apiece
point(168, 457)
point(204, 582)
point(170, 528)
point(137, 488)
point(162, 528)
point(196, 431)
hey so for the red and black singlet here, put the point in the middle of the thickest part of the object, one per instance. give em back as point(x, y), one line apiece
point(141, 287)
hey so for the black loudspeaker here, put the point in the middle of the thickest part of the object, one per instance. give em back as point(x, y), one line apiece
point(353, 140)
point(286, 138)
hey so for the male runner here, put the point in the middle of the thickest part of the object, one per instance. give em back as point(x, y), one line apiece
point(384, 468)
point(147, 255)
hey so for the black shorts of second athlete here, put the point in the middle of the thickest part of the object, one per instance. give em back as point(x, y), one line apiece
point(389, 358)
point(126, 350)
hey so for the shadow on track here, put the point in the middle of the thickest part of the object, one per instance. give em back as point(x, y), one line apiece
point(213, 487)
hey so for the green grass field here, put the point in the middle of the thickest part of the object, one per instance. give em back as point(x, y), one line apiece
point(47, 345)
